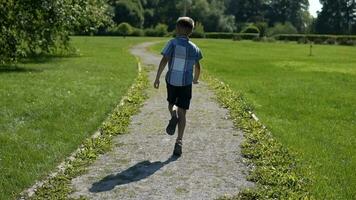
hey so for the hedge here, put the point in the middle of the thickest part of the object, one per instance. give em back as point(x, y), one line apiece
point(235, 36)
point(340, 39)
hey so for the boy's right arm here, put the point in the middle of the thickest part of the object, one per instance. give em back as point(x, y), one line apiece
point(161, 67)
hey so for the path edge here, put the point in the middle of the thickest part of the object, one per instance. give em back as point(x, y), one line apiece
point(57, 185)
point(277, 172)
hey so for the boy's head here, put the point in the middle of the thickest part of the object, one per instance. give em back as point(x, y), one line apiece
point(185, 26)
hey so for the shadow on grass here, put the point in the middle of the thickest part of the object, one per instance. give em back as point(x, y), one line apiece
point(45, 58)
point(17, 69)
point(36, 59)
point(135, 173)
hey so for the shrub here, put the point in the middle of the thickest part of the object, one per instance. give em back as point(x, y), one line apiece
point(303, 40)
point(137, 32)
point(219, 35)
point(262, 27)
point(348, 42)
point(124, 29)
point(279, 28)
point(331, 41)
point(318, 39)
point(251, 29)
point(233, 36)
point(160, 30)
point(198, 31)
point(237, 38)
point(247, 36)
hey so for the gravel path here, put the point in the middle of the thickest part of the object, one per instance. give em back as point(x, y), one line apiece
point(141, 167)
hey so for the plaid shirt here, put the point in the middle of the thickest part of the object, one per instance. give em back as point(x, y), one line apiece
point(183, 55)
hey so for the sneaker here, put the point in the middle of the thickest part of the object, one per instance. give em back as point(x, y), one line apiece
point(177, 149)
point(171, 128)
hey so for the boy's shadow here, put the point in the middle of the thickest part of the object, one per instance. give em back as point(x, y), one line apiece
point(135, 173)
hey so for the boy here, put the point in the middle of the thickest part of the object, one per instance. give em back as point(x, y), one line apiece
point(181, 55)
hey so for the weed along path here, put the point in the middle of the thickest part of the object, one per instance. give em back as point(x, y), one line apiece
point(140, 165)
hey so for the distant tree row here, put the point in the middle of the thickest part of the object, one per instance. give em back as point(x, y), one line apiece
point(215, 15)
point(337, 16)
point(29, 27)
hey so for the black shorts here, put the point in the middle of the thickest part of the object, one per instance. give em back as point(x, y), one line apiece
point(179, 95)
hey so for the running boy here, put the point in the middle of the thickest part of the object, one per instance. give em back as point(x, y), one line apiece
point(181, 55)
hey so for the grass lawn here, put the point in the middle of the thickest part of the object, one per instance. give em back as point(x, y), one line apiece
point(307, 102)
point(49, 106)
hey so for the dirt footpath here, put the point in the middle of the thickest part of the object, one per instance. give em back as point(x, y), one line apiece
point(140, 165)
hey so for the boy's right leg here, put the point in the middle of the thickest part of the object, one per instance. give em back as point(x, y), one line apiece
point(171, 111)
point(171, 128)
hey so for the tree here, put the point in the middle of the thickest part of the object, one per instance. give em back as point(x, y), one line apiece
point(124, 29)
point(337, 17)
point(32, 27)
point(287, 11)
point(130, 11)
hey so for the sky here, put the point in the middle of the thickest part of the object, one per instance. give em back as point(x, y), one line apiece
point(314, 7)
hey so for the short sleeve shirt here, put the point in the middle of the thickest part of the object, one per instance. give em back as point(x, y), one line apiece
point(183, 55)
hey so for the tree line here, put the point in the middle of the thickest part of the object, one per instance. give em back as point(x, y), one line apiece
point(30, 27)
point(336, 17)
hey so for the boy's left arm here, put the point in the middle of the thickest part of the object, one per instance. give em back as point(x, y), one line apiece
point(197, 73)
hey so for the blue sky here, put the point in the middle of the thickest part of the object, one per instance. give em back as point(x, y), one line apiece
point(314, 7)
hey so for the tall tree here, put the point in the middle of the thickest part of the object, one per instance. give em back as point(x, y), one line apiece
point(337, 17)
point(287, 11)
point(130, 11)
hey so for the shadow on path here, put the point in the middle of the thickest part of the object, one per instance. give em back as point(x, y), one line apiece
point(135, 173)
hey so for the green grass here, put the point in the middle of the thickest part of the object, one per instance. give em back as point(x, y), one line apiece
point(308, 103)
point(50, 105)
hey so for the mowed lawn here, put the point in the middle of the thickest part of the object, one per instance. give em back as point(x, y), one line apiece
point(49, 106)
point(309, 103)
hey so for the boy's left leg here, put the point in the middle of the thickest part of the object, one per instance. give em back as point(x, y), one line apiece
point(181, 124)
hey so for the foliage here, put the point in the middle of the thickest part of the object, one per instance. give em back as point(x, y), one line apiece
point(124, 29)
point(130, 11)
point(251, 28)
point(198, 31)
point(337, 17)
point(159, 31)
point(274, 11)
point(262, 27)
point(34, 27)
point(280, 28)
point(320, 39)
point(234, 36)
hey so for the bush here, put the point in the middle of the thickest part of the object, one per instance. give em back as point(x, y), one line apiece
point(279, 28)
point(137, 32)
point(318, 39)
point(347, 42)
point(331, 41)
point(303, 40)
point(233, 36)
point(219, 35)
point(251, 29)
point(198, 31)
point(247, 36)
point(237, 38)
point(262, 27)
point(124, 29)
point(159, 31)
